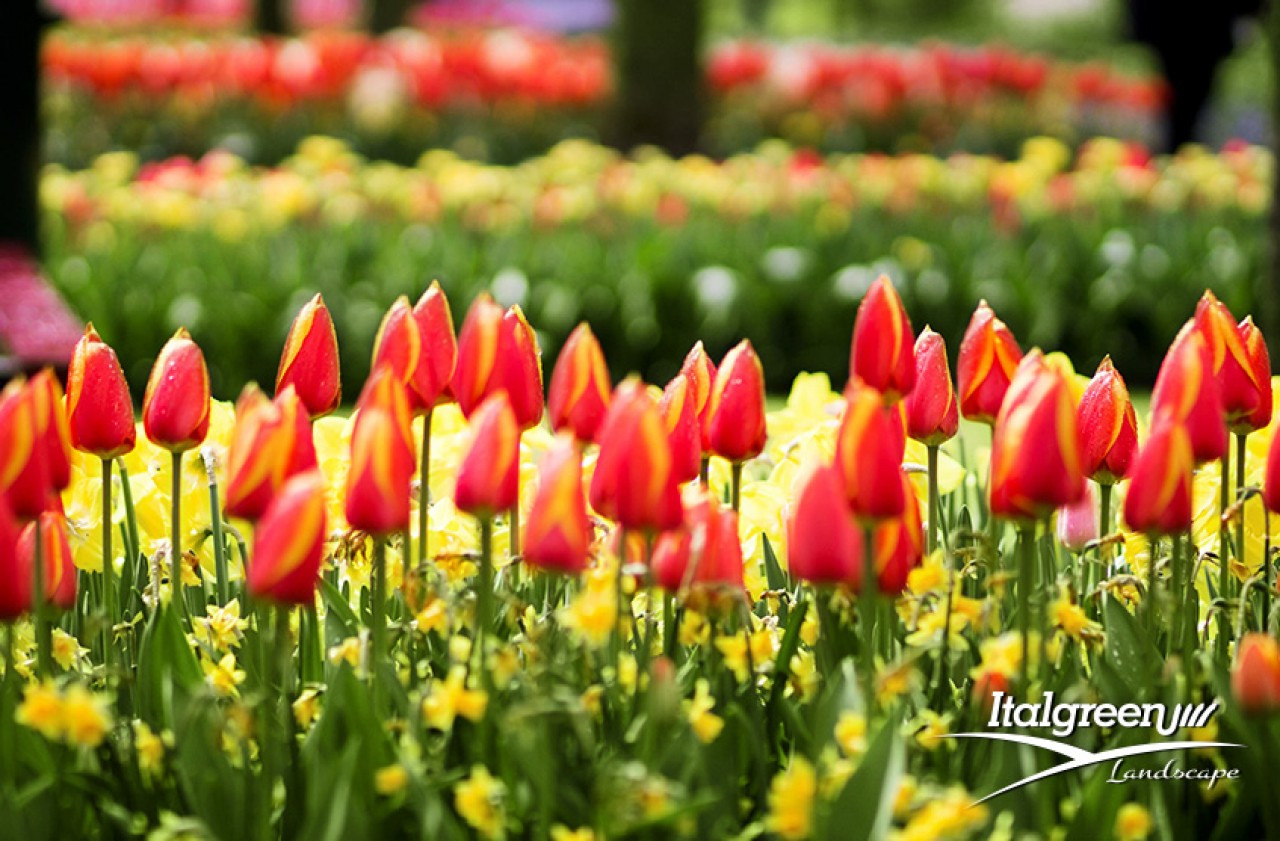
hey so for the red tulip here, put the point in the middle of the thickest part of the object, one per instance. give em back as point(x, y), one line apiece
point(1187, 393)
point(824, 546)
point(477, 353)
point(1237, 377)
point(704, 557)
point(398, 345)
point(489, 473)
point(439, 348)
point(520, 366)
point(51, 427)
point(635, 482)
point(288, 544)
point(1255, 677)
point(580, 387)
point(310, 362)
point(385, 390)
point(55, 551)
point(869, 455)
point(31, 446)
point(932, 414)
point(272, 442)
point(700, 371)
point(1108, 426)
point(1271, 479)
point(882, 355)
point(1255, 348)
point(382, 457)
point(1159, 496)
point(15, 568)
point(558, 534)
point(684, 432)
point(175, 408)
point(736, 408)
point(899, 544)
point(989, 357)
point(99, 408)
point(1035, 452)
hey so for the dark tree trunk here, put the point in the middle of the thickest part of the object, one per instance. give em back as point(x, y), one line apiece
point(21, 21)
point(270, 19)
point(658, 62)
point(388, 14)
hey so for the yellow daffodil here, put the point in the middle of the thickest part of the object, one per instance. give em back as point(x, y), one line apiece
point(390, 780)
point(223, 676)
point(1133, 822)
point(791, 797)
point(479, 800)
point(705, 723)
point(450, 698)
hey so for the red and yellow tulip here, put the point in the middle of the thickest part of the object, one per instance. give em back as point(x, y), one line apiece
point(488, 473)
point(989, 357)
point(310, 361)
point(1108, 426)
point(175, 407)
point(932, 413)
point(558, 533)
point(99, 406)
point(1158, 500)
point(882, 353)
point(434, 375)
point(289, 542)
point(580, 387)
point(736, 407)
point(869, 449)
point(635, 482)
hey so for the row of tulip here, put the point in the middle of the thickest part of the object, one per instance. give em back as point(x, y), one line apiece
point(507, 94)
point(637, 246)
point(668, 642)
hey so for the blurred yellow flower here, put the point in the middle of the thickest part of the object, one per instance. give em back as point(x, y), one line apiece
point(706, 724)
point(478, 800)
point(223, 676)
point(1133, 822)
point(450, 698)
point(390, 780)
point(791, 797)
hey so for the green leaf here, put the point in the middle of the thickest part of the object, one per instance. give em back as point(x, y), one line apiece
point(340, 620)
point(776, 578)
point(167, 668)
point(864, 808)
point(1128, 649)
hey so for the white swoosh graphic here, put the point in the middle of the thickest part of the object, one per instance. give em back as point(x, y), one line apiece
point(1080, 758)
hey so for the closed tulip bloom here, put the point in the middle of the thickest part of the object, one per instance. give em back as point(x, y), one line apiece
point(310, 360)
point(1255, 348)
point(15, 569)
point(684, 432)
point(882, 353)
point(272, 441)
point(1108, 426)
point(700, 371)
point(52, 431)
point(1235, 373)
point(1255, 677)
point(580, 387)
point(736, 407)
point(175, 407)
point(899, 544)
point(99, 407)
point(558, 533)
point(384, 390)
point(488, 474)
point(869, 456)
point(1271, 477)
point(382, 458)
point(288, 544)
point(24, 477)
point(932, 413)
point(635, 482)
point(704, 556)
point(1159, 496)
point(1186, 392)
point(520, 368)
point(989, 357)
point(1035, 452)
point(398, 345)
point(1078, 522)
point(439, 349)
point(55, 552)
point(824, 546)
point(477, 353)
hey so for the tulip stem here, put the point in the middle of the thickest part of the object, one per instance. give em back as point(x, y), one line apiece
point(1104, 529)
point(934, 507)
point(735, 471)
point(108, 573)
point(1242, 453)
point(9, 733)
point(1026, 572)
point(424, 491)
point(44, 638)
point(176, 590)
point(704, 470)
point(484, 599)
point(378, 620)
point(869, 608)
point(215, 526)
point(1268, 580)
point(1224, 564)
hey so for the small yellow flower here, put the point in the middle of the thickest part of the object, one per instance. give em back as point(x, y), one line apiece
point(41, 710)
point(804, 674)
point(809, 629)
point(434, 616)
point(948, 815)
point(223, 676)
point(306, 708)
point(505, 666)
point(150, 748)
point(905, 796)
point(851, 733)
point(560, 832)
point(460, 648)
point(1072, 621)
point(930, 728)
point(1133, 822)
point(390, 780)
point(86, 717)
point(348, 650)
point(834, 777)
point(591, 698)
point(223, 628)
point(478, 800)
point(896, 682)
point(694, 629)
point(733, 649)
point(593, 614)
point(791, 800)
point(706, 724)
point(450, 698)
point(67, 650)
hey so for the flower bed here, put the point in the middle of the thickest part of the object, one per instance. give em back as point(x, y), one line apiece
point(1094, 255)
point(507, 94)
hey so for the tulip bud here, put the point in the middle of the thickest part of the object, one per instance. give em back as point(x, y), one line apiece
point(704, 557)
point(824, 546)
point(869, 456)
point(558, 534)
point(899, 544)
point(1158, 499)
point(477, 353)
point(700, 371)
point(52, 432)
point(488, 474)
point(384, 390)
point(520, 368)
point(635, 483)
point(580, 386)
point(1237, 378)
point(175, 407)
point(55, 553)
point(1255, 348)
point(398, 345)
point(99, 408)
point(30, 444)
point(439, 348)
point(1035, 452)
point(1108, 426)
point(288, 544)
point(684, 433)
point(1255, 677)
point(1078, 522)
point(736, 406)
point(310, 362)
point(932, 414)
point(15, 568)
point(1271, 477)
point(272, 441)
point(882, 355)
point(989, 357)
point(382, 457)
point(1187, 393)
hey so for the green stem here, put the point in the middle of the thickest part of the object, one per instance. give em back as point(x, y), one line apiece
point(944, 653)
point(615, 639)
point(704, 470)
point(668, 626)
point(736, 485)
point(1242, 452)
point(868, 604)
point(934, 525)
point(108, 574)
point(219, 545)
point(378, 620)
point(513, 544)
point(1026, 574)
point(176, 588)
point(1224, 564)
point(484, 600)
point(1104, 529)
point(424, 491)
point(44, 633)
point(1268, 579)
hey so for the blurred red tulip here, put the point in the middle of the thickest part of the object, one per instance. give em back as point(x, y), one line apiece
point(520, 368)
point(932, 413)
point(488, 475)
point(580, 387)
point(55, 552)
point(1187, 393)
point(398, 345)
point(635, 483)
point(1255, 348)
point(684, 432)
point(52, 432)
point(1237, 378)
point(700, 371)
point(310, 361)
point(899, 544)
point(869, 454)
point(288, 543)
point(882, 353)
point(1271, 476)
point(1108, 426)
point(272, 441)
point(703, 558)
point(824, 546)
point(30, 445)
point(99, 408)
point(477, 353)
point(1255, 677)
point(1158, 499)
point(175, 408)
point(736, 407)
point(439, 349)
point(558, 533)
point(989, 357)
point(15, 569)
point(382, 457)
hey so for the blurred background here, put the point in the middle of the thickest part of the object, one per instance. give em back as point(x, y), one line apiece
point(668, 169)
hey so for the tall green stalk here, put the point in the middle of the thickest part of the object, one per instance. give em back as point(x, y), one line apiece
point(1224, 562)
point(1026, 577)
point(44, 633)
point(484, 599)
point(424, 491)
point(219, 545)
point(1242, 452)
point(868, 608)
point(177, 591)
point(934, 507)
point(1104, 529)
point(378, 618)
point(735, 492)
point(108, 573)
